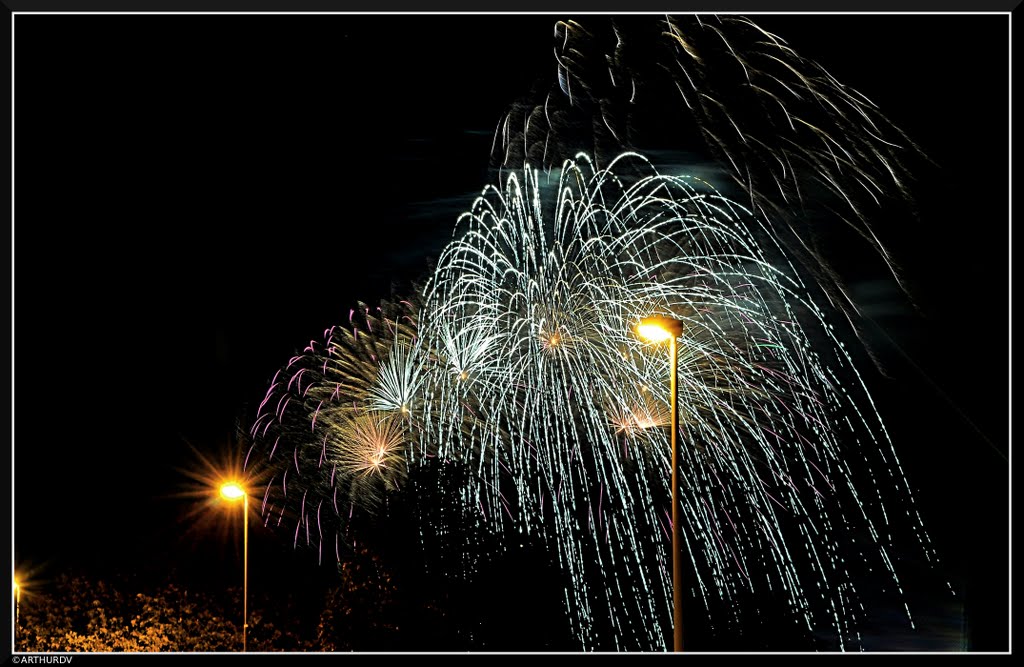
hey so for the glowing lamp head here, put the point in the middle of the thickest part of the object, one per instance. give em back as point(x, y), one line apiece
point(658, 329)
point(232, 491)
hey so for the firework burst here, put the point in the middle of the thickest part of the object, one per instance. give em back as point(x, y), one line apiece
point(771, 405)
point(336, 422)
point(522, 368)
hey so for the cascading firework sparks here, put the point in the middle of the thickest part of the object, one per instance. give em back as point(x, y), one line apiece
point(524, 368)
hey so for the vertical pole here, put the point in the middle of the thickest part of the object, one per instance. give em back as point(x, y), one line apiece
point(677, 541)
point(17, 613)
point(245, 571)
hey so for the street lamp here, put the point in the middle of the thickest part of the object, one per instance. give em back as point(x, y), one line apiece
point(658, 329)
point(232, 491)
point(17, 607)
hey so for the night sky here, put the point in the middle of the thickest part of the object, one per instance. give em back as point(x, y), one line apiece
point(197, 197)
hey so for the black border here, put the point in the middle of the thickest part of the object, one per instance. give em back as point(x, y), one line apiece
point(525, 7)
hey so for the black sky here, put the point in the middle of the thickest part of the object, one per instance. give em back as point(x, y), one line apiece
point(199, 196)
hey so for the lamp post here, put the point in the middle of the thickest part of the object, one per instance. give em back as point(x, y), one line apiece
point(658, 329)
point(17, 610)
point(233, 491)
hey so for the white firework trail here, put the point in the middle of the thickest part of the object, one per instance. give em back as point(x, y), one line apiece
point(796, 144)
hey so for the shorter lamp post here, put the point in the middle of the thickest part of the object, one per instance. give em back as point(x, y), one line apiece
point(17, 610)
point(232, 491)
point(658, 329)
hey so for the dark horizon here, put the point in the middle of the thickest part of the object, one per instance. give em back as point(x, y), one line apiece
point(198, 197)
